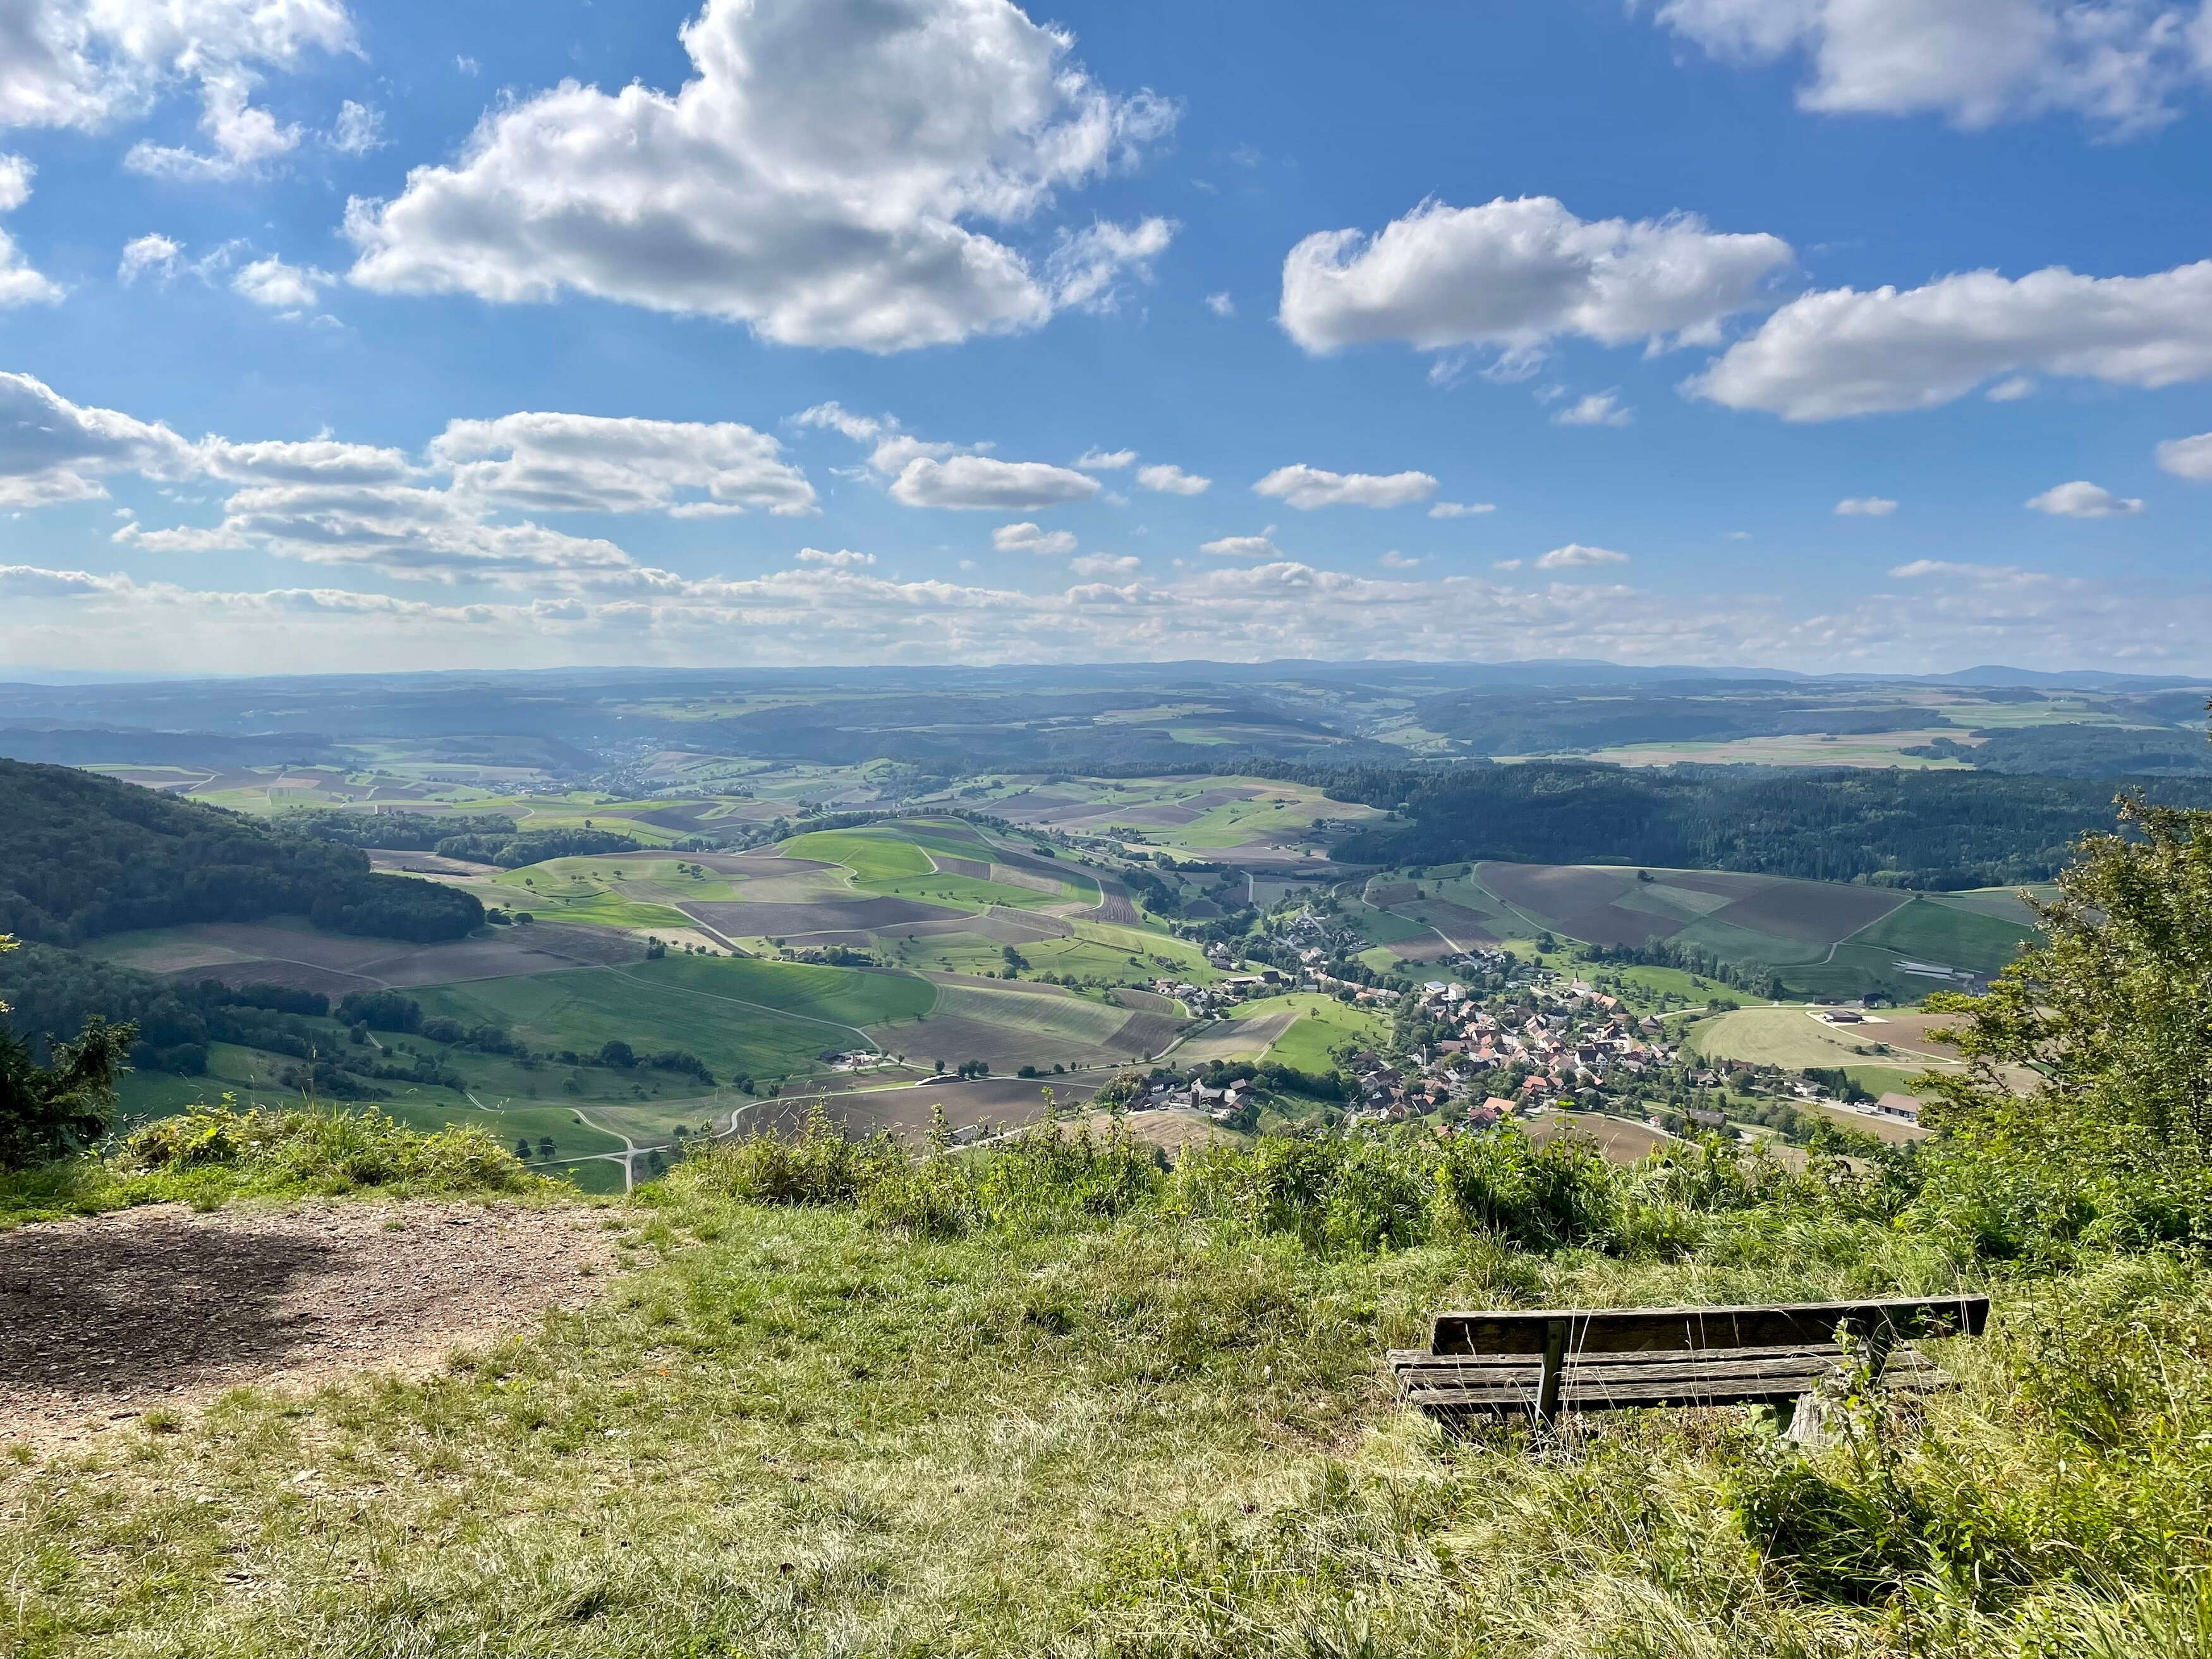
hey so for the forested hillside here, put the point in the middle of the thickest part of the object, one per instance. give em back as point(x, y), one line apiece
point(82, 855)
point(1925, 829)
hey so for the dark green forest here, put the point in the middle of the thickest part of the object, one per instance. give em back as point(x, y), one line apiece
point(2079, 751)
point(1933, 830)
point(82, 855)
point(399, 832)
point(1521, 723)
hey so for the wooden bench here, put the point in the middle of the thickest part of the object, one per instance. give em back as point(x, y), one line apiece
point(1548, 1361)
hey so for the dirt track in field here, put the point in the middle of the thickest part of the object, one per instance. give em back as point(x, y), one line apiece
point(105, 1318)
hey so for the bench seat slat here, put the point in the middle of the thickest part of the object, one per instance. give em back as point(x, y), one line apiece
point(1713, 1377)
point(1659, 1365)
point(1633, 1330)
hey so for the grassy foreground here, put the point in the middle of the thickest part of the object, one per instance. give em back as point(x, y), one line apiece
point(1056, 1399)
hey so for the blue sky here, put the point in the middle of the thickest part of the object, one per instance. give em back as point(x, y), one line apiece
point(1541, 330)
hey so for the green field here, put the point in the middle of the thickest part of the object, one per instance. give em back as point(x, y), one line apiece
point(596, 892)
point(582, 1008)
point(1930, 930)
point(1323, 1026)
point(1090, 961)
point(843, 996)
point(1078, 1019)
point(248, 1077)
point(897, 866)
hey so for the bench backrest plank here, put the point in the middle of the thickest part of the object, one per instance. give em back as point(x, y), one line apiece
point(1692, 1330)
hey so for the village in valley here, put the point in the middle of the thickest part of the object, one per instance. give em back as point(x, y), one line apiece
point(1507, 1039)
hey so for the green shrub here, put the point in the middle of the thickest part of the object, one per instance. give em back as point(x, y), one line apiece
point(323, 1152)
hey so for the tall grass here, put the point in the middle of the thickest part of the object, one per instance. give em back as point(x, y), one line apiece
point(212, 1154)
point(1053, 1397)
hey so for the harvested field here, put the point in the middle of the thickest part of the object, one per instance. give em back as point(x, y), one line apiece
point(426, 863)
point(244, 953)
point(1163, 817)
point(757, 867)
point(1456, 922)
point(105, 1318)
point(955, 1040)
point(1146, 1035)
point(1234, 1039)
point(1815, 913)
point(1006, 927)
point(1424, 947)
point(1725, 883)
point(1578, 900)
point(292, 975)
point(744, 920)
point(1173, 1132)
point(975, 869)
point(1894, 1130)
point(905, 1112)
point(1068, 1018)
point(1114, 905)
point(1622, 1142)
point(1145, 1002)
point(1016, 986)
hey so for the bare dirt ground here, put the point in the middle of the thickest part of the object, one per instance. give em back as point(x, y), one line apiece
point(106, 1318)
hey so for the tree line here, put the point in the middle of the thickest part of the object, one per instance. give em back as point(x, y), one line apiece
point(81, 856)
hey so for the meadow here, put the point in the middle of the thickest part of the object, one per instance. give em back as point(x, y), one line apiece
point(1320, 1025)
point(1051, 1398)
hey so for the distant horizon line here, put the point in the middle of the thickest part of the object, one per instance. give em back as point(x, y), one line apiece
point(1978, 674)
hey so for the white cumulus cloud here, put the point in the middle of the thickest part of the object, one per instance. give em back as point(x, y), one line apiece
point(1460, 509)
point(1032, 538)
point(1599, 409)
point(1394, 560)
point(2188, 457)
point(1307, 488)
point(552, 463)
point(1516, 275)
point(20, 285)
point(1106, 460)
point(93, 64)
point(2083, 500)
point(151, 254)
point(2119, 62)
point(1241, 547)
point(51, 449)
point(1849, 351)
point(1105, 564)
point(985, 483)
point(1866, 507)
point(1221, 305)
point(820, 179)
point(843, 559)
point(1575, 556)
point(280, 287)
point(1168, 479)
point(359, 129)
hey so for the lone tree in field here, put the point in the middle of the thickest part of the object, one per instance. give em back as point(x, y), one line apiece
point(51, 1111)
point(2114, 1010)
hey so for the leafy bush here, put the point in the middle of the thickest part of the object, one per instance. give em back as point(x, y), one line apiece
point(328, 1152)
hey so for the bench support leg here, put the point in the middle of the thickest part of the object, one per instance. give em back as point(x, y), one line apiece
point(1555, 1362)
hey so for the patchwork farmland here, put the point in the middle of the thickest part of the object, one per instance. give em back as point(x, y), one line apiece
point(665, 951)
point(1819, 938)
